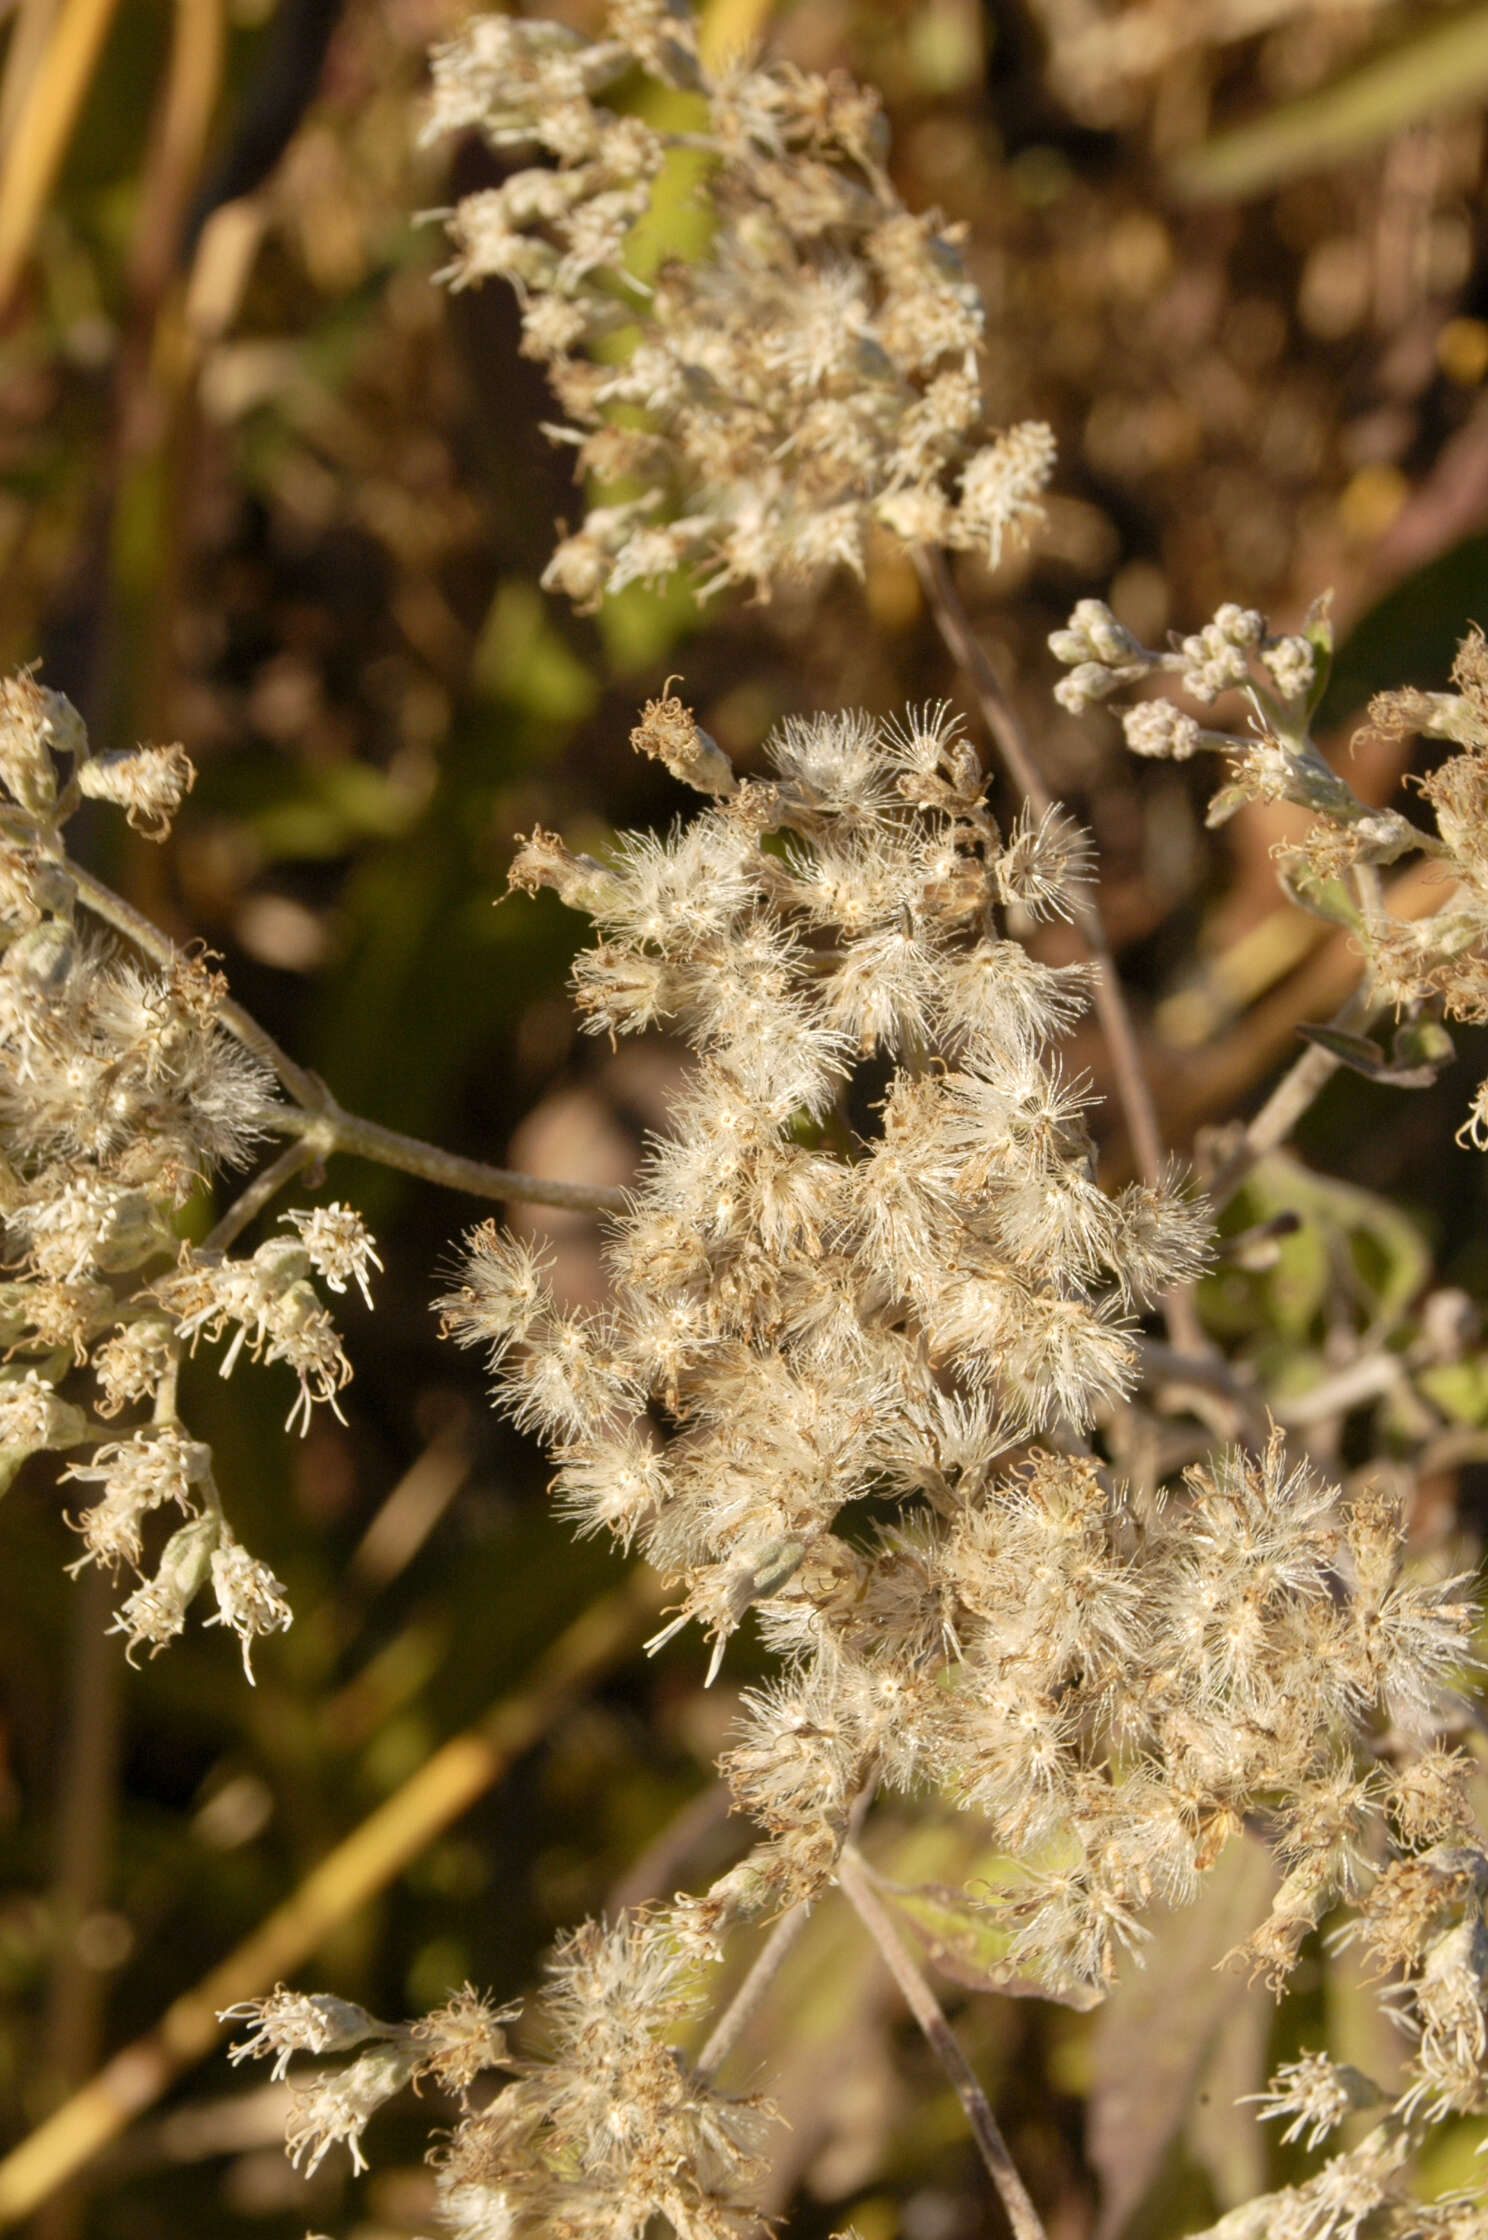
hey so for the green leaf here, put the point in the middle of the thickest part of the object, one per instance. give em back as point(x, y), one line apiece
point(1318, 631)
point(1390, 1260)
point(1459, 1389)
point(1361, 1055)
point(1411, 635)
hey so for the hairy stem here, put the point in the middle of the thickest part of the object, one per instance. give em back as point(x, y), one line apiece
point(856, 1883)
point(773, 1953)
point(292, 1160)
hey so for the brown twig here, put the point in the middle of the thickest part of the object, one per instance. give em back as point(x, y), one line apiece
point(856, 1883)
point(331, 1129)
point(771, 1957)
point(744, 2005)
point(1133, 1091)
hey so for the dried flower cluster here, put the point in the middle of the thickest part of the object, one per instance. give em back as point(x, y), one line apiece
point(1424, 968)
point(841, 1385)
point(874, 1327)
point(603, 2133)
point(120, 1093)
point(760, 409)
point(1121, 1677)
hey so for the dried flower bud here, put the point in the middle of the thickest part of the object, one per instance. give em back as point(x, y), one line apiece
point(290, 2022)
point(249, 1598)
point(148, 783)
point(543, 861)
point(462, 2038)
point(670, 733)
point(1216, 659)
point(158, 1466)
point(35, 724)
point(1001, 486)
point(1045, 863)
point(338, 2106)
point(1317, 2093)
point(338, 1246)
point(1292, 663)
point(1094, 634)
point(34, 1416)
point(156, 1611)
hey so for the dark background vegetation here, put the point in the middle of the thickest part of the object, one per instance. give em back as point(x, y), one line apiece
point(267, 489)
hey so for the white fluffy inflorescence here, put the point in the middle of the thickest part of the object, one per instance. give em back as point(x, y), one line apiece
point(852, 1347)
point(121, 1092)
point(804, 377)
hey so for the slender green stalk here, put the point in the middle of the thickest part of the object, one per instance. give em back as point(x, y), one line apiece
point(1298, 1089)
point(745, 2003)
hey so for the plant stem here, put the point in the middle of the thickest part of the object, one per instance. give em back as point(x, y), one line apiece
point(1369, 1378)
point(363, 1863)
point(855, 1880)
point(961, 641)
point(1243, 1412)
point(776, 1949)
point(742, 2008)
point(1132, 1089)
point(264, 1186)
point(1289, 1100)
point(330, 1129)
point(319, 1121)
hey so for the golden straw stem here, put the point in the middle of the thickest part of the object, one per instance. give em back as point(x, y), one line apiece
point(360, 1866)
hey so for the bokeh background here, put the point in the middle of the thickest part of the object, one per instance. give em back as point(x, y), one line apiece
point(266, 488)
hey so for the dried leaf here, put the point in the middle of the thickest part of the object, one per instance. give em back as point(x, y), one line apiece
point(1160, 2027)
